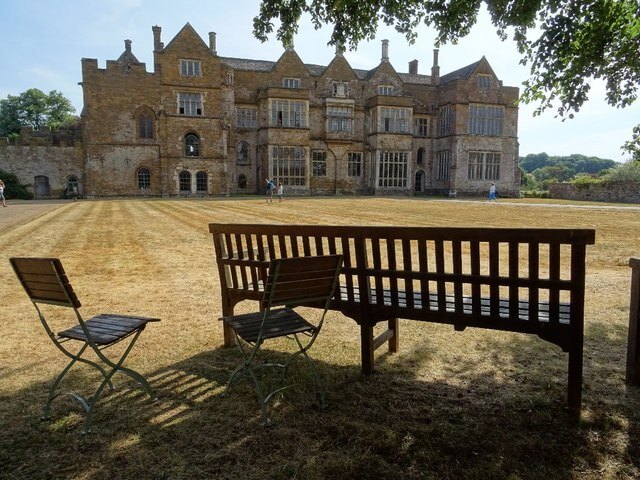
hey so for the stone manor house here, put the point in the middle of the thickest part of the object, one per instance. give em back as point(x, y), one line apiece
point(203, 124)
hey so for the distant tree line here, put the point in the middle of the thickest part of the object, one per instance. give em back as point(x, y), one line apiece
point(540, 169)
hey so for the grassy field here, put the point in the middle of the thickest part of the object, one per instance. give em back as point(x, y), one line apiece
point(449, 405)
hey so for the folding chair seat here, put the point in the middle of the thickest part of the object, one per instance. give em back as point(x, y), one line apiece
point(291, 282)
point(45, 282)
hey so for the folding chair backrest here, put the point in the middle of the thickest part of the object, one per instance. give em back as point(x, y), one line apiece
point(302, 280)
point(45, 281)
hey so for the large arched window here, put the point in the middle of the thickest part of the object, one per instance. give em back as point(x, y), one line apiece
point(420, 158)
point(144, 178)
point(242, 182)
point(191, 145)
point(146, 124)
point(202, 182)
point(185, 181)
point(242, 153)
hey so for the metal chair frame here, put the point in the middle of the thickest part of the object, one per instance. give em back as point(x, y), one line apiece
point(45, 282)
point(291, 282)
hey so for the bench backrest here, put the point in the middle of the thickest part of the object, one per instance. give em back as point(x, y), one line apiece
point(488, 274)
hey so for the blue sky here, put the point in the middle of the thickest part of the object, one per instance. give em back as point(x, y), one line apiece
point(44, 41)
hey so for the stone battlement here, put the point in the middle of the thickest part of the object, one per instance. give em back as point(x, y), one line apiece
point(45, 137)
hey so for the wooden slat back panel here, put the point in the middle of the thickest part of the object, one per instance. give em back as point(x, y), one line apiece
point(45, 281)
point(301, 280)
point(483, 272)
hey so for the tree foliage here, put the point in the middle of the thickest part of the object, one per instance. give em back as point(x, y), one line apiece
point(575, 163)
point(13, 188)
point(566, 43)
point(36, 109)
point(540, 170)
point(626, 172)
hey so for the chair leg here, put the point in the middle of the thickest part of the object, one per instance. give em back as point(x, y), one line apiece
point(46, 414)
point(264, 417)
point(115, 367)
point(240, 368)
point(321, 391)
point(54, 386)
point(264, 400)
point(233, 376)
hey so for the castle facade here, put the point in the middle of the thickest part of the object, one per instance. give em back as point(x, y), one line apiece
point(204, 124)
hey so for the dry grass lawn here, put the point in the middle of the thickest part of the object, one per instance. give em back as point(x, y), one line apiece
point(476, 404)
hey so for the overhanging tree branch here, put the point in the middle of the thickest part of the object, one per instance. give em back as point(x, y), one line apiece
point(575, 42)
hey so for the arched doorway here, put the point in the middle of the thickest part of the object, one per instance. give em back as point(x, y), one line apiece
point(73, 187)
point(42, 189)
point(420, 180)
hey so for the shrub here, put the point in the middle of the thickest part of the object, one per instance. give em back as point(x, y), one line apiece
point(582, 181)
point(626, 172)
point(534, 193)
point(13, 188)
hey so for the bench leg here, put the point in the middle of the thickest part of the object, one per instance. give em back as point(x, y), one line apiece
point(366, 348)
point(633, 342)
point(227, 332)
point(394, 340)
point(574, 394)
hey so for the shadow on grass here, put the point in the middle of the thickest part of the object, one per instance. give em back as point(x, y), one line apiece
point(508, 421)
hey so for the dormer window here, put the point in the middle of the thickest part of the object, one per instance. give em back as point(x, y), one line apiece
point(483, 81)
point(385, 89)
point(291, 82)
point(190, 68)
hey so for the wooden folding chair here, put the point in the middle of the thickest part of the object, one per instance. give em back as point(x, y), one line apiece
point(45, 282)
point(290, 282)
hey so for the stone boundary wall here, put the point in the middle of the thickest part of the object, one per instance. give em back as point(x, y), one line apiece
point(627, 192)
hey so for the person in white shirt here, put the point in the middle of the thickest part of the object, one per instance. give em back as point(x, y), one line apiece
point(4, 203)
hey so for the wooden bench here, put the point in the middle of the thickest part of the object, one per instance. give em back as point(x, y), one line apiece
point(518, 280)
point(633, 343)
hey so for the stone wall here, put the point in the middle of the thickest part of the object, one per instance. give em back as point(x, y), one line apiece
point(627, 192)
point(57, 164)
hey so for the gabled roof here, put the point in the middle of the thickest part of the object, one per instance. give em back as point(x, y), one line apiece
point(337, 59)
point(384, 65)
point(127, 57)
point(185, 30)
point(291, 54)
point(462, 73)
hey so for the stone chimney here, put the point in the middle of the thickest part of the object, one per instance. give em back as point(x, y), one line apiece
point(212, 42)
point(413, 67)
point(127, 46)
point(158, 46)
point(435, 70)
point(385, 50)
